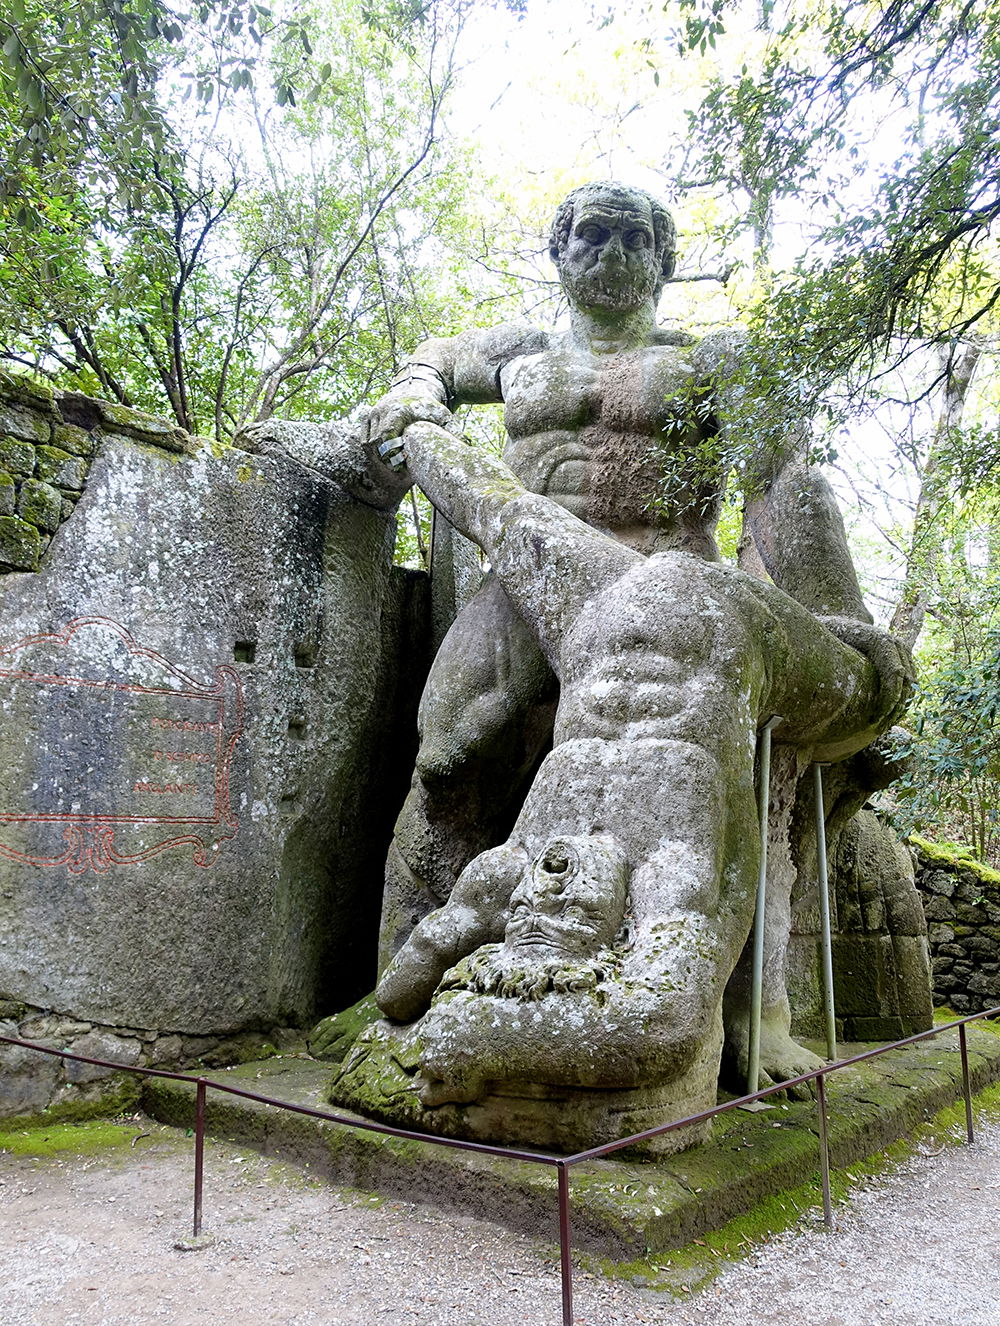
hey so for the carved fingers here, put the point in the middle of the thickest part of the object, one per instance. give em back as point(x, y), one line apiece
point(393, 414)
point(889, 655)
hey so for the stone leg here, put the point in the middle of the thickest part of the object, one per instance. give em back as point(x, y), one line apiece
point(781, 1056)
point(485, 722)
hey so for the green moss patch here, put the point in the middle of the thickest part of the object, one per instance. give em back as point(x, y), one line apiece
point(955, 860)
point(82, 1139)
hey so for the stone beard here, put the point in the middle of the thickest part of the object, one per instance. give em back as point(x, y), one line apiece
point(504, 973)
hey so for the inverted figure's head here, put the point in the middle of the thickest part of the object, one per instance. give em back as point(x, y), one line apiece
point(614, 247)
point(571, 900)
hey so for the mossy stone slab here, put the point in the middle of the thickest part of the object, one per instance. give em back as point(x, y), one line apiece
point(620, 1208)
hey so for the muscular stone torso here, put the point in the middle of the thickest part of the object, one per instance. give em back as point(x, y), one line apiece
point(595, 432)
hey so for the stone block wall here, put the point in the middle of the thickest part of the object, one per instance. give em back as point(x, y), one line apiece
point(961, 901)
point(209, 671)
point(47, 445)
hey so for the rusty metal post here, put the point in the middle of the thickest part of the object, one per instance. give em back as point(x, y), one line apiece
point(565, 1249)
point(199, 1152)
point(824, 911)
point(824, 1150)
point(966, 1085)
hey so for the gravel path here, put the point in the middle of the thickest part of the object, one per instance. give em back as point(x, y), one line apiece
point(90, 1241)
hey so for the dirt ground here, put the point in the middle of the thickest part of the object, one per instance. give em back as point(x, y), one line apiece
point(99, 1240)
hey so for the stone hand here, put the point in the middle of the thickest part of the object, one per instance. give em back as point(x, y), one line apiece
point(333, 1038)
point(890, 656)
point(393, 453)
point(394, 413)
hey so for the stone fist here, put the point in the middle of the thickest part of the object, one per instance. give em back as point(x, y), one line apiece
point(394, 413)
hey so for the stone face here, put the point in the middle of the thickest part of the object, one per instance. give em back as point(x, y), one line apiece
point(20, 544)
point(197, 694)
point(40, 504)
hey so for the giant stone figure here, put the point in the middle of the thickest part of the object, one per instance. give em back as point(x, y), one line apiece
point(559, 928)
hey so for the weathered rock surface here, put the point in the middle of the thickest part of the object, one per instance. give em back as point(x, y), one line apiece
point(198, 764)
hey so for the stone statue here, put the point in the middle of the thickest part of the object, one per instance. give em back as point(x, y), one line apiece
point(584, 960)
point(667, 661)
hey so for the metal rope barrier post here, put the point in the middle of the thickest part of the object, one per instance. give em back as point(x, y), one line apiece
point(824, 1150)
point(757, 986)
point(966, 1085)
point(565, 1249)
point(199, 1151)
point(824, 911)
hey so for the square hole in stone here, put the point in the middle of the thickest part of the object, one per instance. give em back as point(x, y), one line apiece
point(305, 656)
point(244, 651)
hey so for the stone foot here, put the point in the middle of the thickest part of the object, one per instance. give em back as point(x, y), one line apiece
point(781, 1057)
point(333, 1038)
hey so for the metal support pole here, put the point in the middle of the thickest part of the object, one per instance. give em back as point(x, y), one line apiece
point(966, 1086)
point(824, 1151)
point(757, 986)
point(565, 1250)
point(199, 1152)
point(824, 911)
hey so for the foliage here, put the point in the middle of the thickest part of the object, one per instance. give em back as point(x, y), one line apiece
point(877, 129)
point(954, 785)
point(277, 252)
point(953, 788)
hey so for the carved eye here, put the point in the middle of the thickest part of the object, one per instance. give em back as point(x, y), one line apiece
point(637, 239)
point(593, 234)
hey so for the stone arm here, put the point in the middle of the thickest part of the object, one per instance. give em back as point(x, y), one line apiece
point(549, 562)
point(447, 371)
point(475, 914)
point(334, 453)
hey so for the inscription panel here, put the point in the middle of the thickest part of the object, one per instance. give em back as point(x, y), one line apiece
point(123, 756)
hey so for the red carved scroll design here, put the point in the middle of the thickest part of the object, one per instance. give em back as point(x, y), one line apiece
point(97, 839)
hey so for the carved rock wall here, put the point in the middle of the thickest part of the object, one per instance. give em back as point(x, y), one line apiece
point(204, 666)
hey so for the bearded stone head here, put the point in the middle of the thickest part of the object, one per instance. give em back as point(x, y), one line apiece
point(614, 246)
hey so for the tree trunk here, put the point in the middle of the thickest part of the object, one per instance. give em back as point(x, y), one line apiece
point(924, 551)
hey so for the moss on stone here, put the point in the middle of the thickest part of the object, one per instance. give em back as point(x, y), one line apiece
point(955, 860)
point(73, 439)
point(17, 456)
point(20, 544)
point(28, 391)
point(83, 1139)
point(59, 467)
point(115, 1096)
point(147, 428)
point(40, 504)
